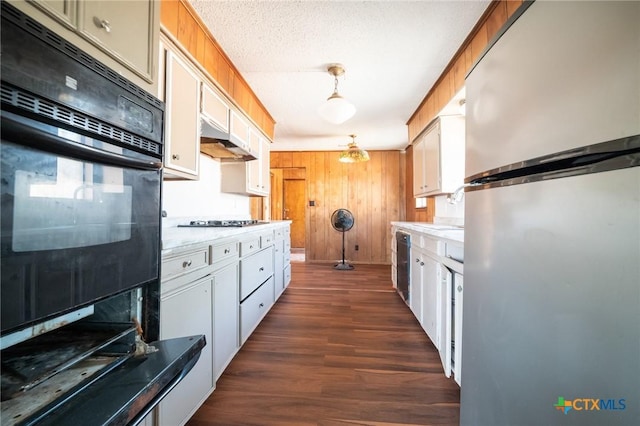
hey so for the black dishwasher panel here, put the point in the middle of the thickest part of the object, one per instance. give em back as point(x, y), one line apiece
point(403, 245)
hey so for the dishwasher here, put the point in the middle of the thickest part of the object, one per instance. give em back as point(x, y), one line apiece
point(403, 245)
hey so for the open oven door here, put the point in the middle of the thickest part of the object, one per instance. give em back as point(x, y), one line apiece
point(122, 394)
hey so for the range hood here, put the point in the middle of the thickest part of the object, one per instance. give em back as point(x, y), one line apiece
point(221, 144)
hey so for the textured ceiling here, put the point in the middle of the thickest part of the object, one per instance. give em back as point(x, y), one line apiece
point(393, 52)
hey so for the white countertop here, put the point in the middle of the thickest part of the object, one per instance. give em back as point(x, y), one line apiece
point(174, 236)
point(446, 232)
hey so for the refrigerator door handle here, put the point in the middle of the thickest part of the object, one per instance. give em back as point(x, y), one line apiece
point(611, 155)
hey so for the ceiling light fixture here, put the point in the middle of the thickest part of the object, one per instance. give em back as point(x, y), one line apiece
point(353, 154)
point(336, 109)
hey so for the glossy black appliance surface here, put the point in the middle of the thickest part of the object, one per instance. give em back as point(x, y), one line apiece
point(80, 160)
point(81, 152)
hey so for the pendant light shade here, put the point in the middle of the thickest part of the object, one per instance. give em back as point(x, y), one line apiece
point(336, 109)
point(353, 154)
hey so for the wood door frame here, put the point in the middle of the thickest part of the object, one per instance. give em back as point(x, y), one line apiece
point(278, 175)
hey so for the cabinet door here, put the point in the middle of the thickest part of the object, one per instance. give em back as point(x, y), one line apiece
point(214, 109)
point(278, 267)
point(432, 160)
point(182, 127)
point(265, 166)
point(188, 312)
point(239, 130)
point(226, 317)
point(457, 358)
point(444, 319)
point(63, 11)
point(418, 167)
point(431, 280)
point(124, 29)
point(254, 175)
point(415, 286)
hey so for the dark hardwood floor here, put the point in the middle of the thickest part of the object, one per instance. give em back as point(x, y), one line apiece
point(338, 348)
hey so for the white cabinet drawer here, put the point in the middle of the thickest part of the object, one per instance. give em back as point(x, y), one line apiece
point(185, 263)
point(249, 246)
point(254, 270)
point(224, 252)
point(266, 239)
point(287, 275)
point(255, 308)
point(280, 233)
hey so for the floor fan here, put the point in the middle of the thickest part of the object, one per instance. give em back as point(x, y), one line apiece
point(342, 221)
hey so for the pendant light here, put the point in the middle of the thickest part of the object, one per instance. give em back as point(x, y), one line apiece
point(336, 109)
point(353, 154)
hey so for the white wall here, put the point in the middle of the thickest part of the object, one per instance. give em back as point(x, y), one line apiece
point(202, 199)
point(448, 214)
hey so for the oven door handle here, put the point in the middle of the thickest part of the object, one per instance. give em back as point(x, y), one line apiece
point(14, 128)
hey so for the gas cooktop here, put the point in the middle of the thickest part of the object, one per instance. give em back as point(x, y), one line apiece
point(220, 223)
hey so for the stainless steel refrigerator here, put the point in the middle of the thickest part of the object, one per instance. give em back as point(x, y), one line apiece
point(551, 320)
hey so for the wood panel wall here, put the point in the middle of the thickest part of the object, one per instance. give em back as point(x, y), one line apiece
point(373, 191)
point(183, 23)
point(448, 84)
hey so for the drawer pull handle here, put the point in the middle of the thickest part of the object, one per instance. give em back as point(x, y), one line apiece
point(421, 263)
point(459, 288)
point(186, 263)
point(251, 246)
point(261, 269)
point(226, 251)
point(261, 305)
point(175, 157)
point(102, 23)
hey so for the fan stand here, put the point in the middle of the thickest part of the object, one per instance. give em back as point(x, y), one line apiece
point(343, 266)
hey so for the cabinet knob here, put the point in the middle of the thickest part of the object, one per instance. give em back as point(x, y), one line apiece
point(250, 246)
point(261, 269)
point(175, 157)
point(186, 263)
point(417, 260)
point(102, 23)
point(421, 263)
point(226, 251)
point(459, 289)
point(261, 305)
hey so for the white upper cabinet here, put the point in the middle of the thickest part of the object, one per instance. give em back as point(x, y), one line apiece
point(182, 118)
point(249, 177)
point(126, 31)
point(438, 157)
point(214, 110)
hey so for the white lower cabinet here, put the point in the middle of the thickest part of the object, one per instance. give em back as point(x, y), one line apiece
point(226, 316)
point(435, 295)
point(221, 289)
point(416, 282)
point(254, 308)
point(186, 312)
point(430, 282)
point(458, 290)
point(254, 270)
point(278, 268)
point(445, 298)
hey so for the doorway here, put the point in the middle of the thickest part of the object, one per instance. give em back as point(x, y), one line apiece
point(289, 194)
point(294, 209)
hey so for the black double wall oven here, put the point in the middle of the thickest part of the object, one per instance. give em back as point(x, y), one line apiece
point(81, 154)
